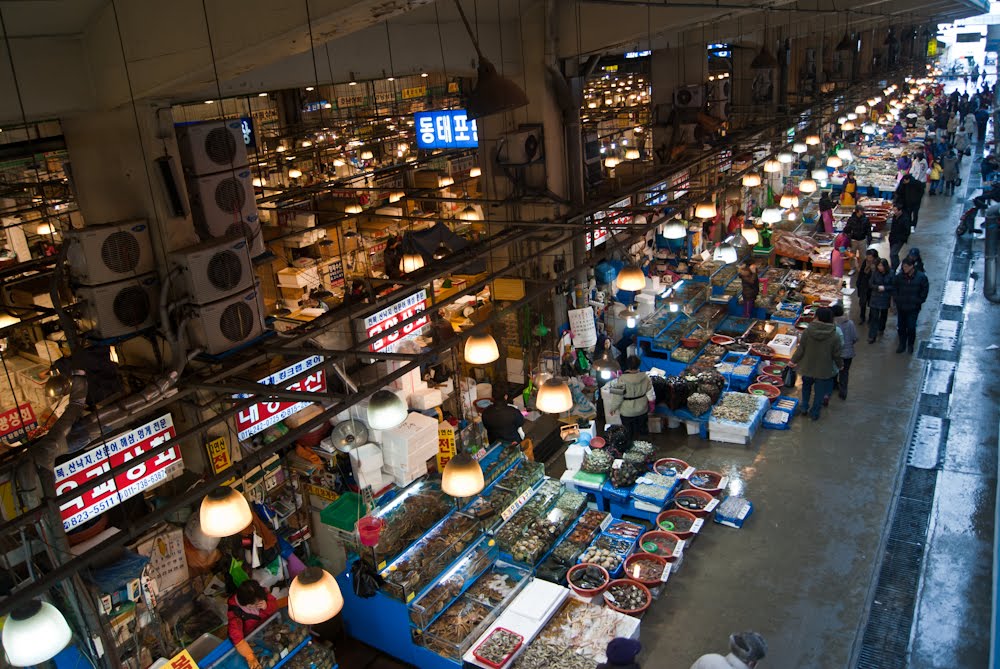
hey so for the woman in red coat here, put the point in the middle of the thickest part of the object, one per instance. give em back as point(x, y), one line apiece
point(248, 609)
point(736, 222)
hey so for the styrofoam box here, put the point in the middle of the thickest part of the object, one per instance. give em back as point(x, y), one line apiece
point(403, 476)
point(783, 344)
point(425, 399)
point(367, 457)
point(376, 479)
point(409, 456)
point(416, 427)
point(298, 277)
point(574, 456)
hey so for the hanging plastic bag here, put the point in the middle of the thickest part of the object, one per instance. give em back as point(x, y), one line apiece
point(366, 580)
point(236, 573)
point(790, 377)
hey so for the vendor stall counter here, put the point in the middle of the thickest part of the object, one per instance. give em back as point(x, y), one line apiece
point(278, 642)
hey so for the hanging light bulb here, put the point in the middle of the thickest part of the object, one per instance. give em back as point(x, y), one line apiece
point(444, 182)
point(385, 410)
point(750, 233)
point(812, 140)
point(785, 158)
point(475, 172)
point(771, 215)
point(848, 126)
point(807, 186)
point(353, 209)
point(33, 633)
point(675, 229)
point(396, 196)
point(845, 155)
point(224, 512)
point(630, 315)
point(481, 349)
point(751, 180)
point(606, 366)
point(411, 262)
point(819, 174)
point(338, 162)
point(45, 229)
point(294, 173)
point(725, 252)
point(632, 154)
point(470, 214)
point(868, 128)
point(841, 120)
point(851, 116)
point(788, 200)
point(631, 279)
point(705, 209)
point(799, 147)
point(314, 597)
point(861, 109)
point(462, 476)
point(772, 166)
point(554, 396)
point(441, 252)
point(834, 162)
point(611, 162)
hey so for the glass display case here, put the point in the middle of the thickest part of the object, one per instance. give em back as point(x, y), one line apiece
point(490, 506)
point(544, 529)
point(569, 549)
point(538, 504)
point(406, 518)
point(425, 609)
point(669, 338)
point(692, 295)
point(275, 644)
point(418, 565)
point(498, 459)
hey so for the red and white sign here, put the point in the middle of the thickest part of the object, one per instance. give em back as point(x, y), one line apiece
point(391, 316)
point(111, 454)
point(263, 415)
point(17, 422)
point(617, 222)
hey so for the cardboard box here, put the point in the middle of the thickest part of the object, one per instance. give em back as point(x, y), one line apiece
point(294, 277)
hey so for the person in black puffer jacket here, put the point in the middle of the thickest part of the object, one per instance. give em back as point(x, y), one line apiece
point(910, 292)
point(859, 231)
point(899, 233)
point(881, 294)
point(864, 285)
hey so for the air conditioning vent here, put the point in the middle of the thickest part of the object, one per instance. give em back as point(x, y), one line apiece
point(223, 204)
point(689, 97)
point(214, 269)
point(208, 148)
point(104, 253)
point(228, 323)
point(120, 308)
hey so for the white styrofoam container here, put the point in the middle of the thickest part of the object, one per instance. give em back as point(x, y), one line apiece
point(783, 344)
point(574, 456)
point(367, 457)
point(375, 479)
point(426, 399)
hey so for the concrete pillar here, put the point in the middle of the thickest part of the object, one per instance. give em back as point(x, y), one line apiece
point(671, 69)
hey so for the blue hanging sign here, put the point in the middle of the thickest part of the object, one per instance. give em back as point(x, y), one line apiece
point(446, 129)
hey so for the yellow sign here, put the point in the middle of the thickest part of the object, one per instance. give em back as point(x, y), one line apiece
point(453, 87)
point(321, 492)
point(415, 92)
point(932, 47)
point(182, 660)
point(218, 454)
point(446, 444)
point(8, 509)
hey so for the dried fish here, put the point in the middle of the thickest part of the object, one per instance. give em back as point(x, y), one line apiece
point(541, 655)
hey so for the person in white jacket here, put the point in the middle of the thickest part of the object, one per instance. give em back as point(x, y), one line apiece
point(746, 649)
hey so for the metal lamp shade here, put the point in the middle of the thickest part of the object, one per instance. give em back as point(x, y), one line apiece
point(799, 147)
point(820, 174)
point(314, 597)
point(462, 477)
point(411, 262)
point(554, 396)
point(751, 180)
point(705, 209)
point(807, 186)
point(772, 166)
point(750, 234)
point(785, 157)
point(34, 633)
point(481, 350)
point(812, 140)
point(726, 253)
point(224, 512)
point(771, 215)
point(675, 230)
point(469, 214)
point(385, 410)
point(631, 278)
point(493, 93)
point(834, 161)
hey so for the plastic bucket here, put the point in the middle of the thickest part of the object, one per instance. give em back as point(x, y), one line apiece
point(369, 530)
point(698, 494)
point(631, 612)
point(673, 516)
point(632, 572)
point(597, 442)
point(714, 480)
point(659, 542)
point(587, 592)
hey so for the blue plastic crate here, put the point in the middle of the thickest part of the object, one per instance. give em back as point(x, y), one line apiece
point(791, 411)
point(615, 494)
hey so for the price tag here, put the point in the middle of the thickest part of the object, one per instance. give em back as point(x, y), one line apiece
point(724, 482)
point(686, 473)
point(744, 512)
point(711, 505)
point(617, 464)
point(409, 597)
point(696, 525)
point(284, 653)
point(666, 573)
point(678, 549)
point(607, 521)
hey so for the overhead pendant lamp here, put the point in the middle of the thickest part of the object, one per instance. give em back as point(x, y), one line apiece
point(630, 315)
point(441, 252)
point(750, 233)
point(764, 60)
point(367, 155)
point(33, 633)
point(725, 252)
point(807, 186)
point(411, 262)
point(385, 410)
point(353, 209)
point(799, 147)
point(675, 229)
point(481, 349)
point(834, 162)
point(224, 512)
point(851, 116)
point(869, 128)
point(475, 172)
point(396, 196)
point(841, 120)
point(785, 158)
point(611, 162)
point(772, 166)
point(462, 476)
point(788, 200)
point(493, 93)
point(751, 180)
point(860, 109)
point(848, 126)
point(469, 214)
point(820, 174)
point(705, 209)
point(554, 396)
point(845, 155)
point(632, 154)
point(631, 279)
point(294, 173)
point(606, 366)
point(812, 140)
point(771, 215)
point(314, 597)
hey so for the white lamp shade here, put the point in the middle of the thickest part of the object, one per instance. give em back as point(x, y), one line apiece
point(834, 161)
point(771, 215)
point(848, 126)
point(861, 109)
point(44, 229)
point(367, 155)
point(705, 209)
point(868, 128)
point(396, 196)
point(799, 147)
point(725, 252)
point(751, 180)
point(469, 213)
point(353, 209)
point(812, 140)
point(851, 116)
point(807, 186)
point(294, 173)
point(772, 166)
point(819, 174)
point(462, 476)
point(224, 512)
point(750, 234)
point(385, 410)
point(788, 200)
point(845, 155)
point(631, 278)
point(675, 230)
point(411, 262)
point(481, 350)
point(314, 597)
point(34, 633)
point(785, 157)
point(841, 120)
point(611, 162)
point(475, 172)
point(554, 396)
point(632, 154)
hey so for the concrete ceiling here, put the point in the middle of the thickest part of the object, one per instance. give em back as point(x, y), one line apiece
point(35, 18)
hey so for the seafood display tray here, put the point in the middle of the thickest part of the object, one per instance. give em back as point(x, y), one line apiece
point(452, 583)
point(498, 461)
point(784, 409)
point(527, 615)
point(407, 517)
point(271, 654)
point(623, 554)
point(729, 432)
point(505, 495)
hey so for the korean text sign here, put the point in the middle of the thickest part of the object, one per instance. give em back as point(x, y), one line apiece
point(15, 422)
point(446, 129)
point(111, 454)
point(263, 415)
point(391, 316)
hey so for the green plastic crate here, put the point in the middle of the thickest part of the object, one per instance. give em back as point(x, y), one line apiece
point(344, 512)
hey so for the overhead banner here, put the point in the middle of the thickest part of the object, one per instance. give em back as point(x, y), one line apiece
point(615, 220)
point(391, 316)
point(446, 129)
point(263, 415)
point(111, 454)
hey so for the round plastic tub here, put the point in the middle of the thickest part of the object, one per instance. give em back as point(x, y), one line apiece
point(659, 543)
point(677, 518)
point(631, 612)
point(587, 592)
point(699, 495)
point(632, 571)
point(713, 487)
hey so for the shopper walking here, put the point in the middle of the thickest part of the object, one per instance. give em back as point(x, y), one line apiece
point(949, 172)
point(746, 649)
point(882, 287)
point(953, 124)
point(907, 196)
point(920, 172)
point(631, 395)
point(962, 144)
point(863, 283)
point(899, 233)
point(910, 292)
point(849, 337)
point(818, 360)
point(935, 177)
point(859, 233)
point(751, 286)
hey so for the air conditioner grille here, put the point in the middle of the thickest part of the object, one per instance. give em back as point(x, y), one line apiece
point(244, 230)
point(220, 145)
point(121, 252)
point(131, 306)
point(236, 322)
point(225, 271)
point(230, 195)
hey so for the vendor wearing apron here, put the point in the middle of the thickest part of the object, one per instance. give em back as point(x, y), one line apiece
point(248, 609)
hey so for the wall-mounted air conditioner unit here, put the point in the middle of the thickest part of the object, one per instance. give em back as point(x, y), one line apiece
point(720, 90)
point(223, 205)
point(521, 147)
point(120, 308)
point(213, 269)
point(228, 323)
point(689, 97)
point(216, 146)
point(104, 253)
